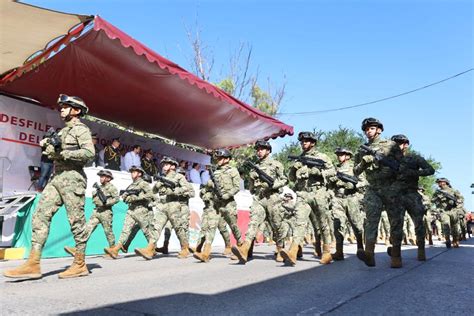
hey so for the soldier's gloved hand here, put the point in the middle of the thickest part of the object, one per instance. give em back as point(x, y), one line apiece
point(130, 199)
point(264, 185)
point(340, 183)
point(333, 179)
point(349, 186)
point(65, 154)
point(210, 184)
point(368, 159)
point(43, 142)
point(302, 173)
point(226, 196)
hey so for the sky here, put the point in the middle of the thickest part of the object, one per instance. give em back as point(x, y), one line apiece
point(333, 54)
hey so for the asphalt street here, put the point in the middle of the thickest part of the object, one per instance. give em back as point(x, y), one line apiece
point(443, 285)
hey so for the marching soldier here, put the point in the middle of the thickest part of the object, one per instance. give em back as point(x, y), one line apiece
point(266, 180)
point(412, 167)
point(104, 196)
point(224, 183)
point(70, 150)
point(379, 160)
point(448, 201)
point(345, 204)
point(311, 180)
point(112, 155)
point(428, 218)
point(138, 196)
point(174, 193)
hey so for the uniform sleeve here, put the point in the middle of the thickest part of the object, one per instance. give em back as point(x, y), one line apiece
point(425, 169)
point(235, 182)
point(185, 188)
point(146, 194)
point(459, 197)
point(86, 151)
point(112, 196)
point(280, 178)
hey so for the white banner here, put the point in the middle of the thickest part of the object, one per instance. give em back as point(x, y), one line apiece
point(22, 126)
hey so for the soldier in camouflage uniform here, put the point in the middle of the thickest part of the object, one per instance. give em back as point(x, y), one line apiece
point(412, 166)
point(448, 201)
point(103, 211)
point(224, 184)
point(428, 218)
point(67, 186)
point(408, 230)
point(345, 205)
point(138, 196)
point(174, 192)
point(266, 200)
point(380, 170)
point(311, 185)
point(384, 227)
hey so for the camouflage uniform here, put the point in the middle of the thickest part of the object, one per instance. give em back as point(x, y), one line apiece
point(103, 212)
point(413, 166)
point(139, 211)
point(384, 227)
point(408, 230)
point(449, 211)
point(379, 194)
point(310, 186)
point(428, 218)
point(68, 186)
point(175, 206)
point(267, 198)
point(346, 211)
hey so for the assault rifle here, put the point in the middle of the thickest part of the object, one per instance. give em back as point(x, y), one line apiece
point(383, 160)
point(53, 139)
point(308, 161)
point(217, 188)
point(262, 174)
point(130, 191)
point(100, 193)
point(347, 178)
point(449, 196)
point(167, 182)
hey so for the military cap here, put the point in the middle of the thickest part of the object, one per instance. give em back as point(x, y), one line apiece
point(106, 173)
point(443, 180)
point(137, 168)
point(342, 151)
point(222, 152)
point(169, 160)
point(74, 102)
point(263, 144)
point(370, 121)
point(307, 135)
point(400, 139)
point(94, 136)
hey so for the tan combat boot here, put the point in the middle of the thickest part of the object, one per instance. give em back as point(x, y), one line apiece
point(205, 254)
point(326, 257)
point(339, 254)
point(278, 257)
point(317, 249)
point(299, 254)
point(29, 270)
point(289, 256)
point(241, 252)
point(412, 241)
point(421, 255)
point(148, 252)
point(113, 251)
point(448, 241)
point(455, 242)
point(227, 250)
point(164, 249)
point(70, 250)
point(368, 255)
point(350, 239)
point(396, 258)
point(184, 253)
point(78, 268)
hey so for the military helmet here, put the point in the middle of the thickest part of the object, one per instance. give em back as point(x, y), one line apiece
point(443, 180)
point(400, 139)
point(137, 168)
point(169, 160)
point(106, 173)
point(223, 153)
point(307, 135)
point(263, 144)
point(147, 177)
point(343, 151)
point(370, 121)
point(74, 102)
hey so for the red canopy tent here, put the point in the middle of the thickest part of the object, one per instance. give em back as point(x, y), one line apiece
point(123, 81)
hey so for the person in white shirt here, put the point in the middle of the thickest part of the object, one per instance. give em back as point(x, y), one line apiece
point(205, 175)
point(194, 175)
point(132, 158)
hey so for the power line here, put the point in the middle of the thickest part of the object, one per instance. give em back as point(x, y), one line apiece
point(378, 100)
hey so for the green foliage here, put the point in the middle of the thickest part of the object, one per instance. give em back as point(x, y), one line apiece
point(340, 137)
point(227, 85)
point(293, 148)
point(263, 101)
